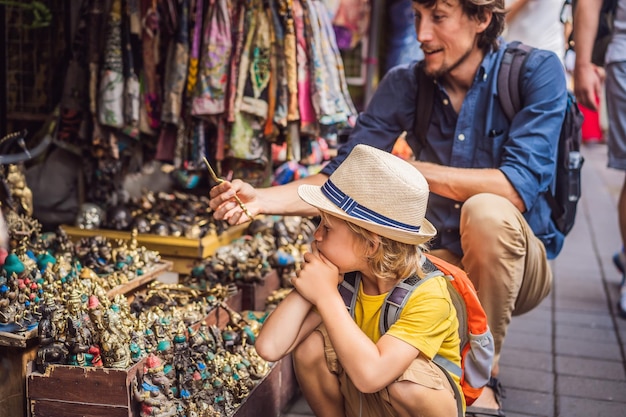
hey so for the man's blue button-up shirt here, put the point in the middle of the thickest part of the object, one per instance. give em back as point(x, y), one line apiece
point(479, 136)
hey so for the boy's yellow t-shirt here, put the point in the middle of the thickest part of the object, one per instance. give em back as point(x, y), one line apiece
point(428, 321)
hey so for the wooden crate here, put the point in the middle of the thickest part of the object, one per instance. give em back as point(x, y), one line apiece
point(272, 395)
point(76, 391)
point(13, 369)
point(253, 295)
point(17, 349)
point(173, 246)
point(73, 391)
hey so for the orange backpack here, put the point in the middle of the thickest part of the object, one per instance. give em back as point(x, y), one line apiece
point(477, 346)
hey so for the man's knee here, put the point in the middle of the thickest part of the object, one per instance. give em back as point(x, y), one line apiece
point(490, 221)
point(486, 211)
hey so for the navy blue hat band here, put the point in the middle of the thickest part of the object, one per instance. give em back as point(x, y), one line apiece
point(354, 209)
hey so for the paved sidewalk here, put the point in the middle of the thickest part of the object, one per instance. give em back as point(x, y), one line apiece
point(566, 358)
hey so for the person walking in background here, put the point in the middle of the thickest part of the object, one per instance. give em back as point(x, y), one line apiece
point(588, 80)
point(487, 176)
point(357, 371)
point(536, 23)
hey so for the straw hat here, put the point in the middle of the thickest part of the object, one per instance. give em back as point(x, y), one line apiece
point(377, 191)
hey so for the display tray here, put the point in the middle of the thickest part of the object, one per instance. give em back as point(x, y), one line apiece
point(167, 245)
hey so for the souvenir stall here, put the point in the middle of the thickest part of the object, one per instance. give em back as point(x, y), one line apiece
point(127, 287)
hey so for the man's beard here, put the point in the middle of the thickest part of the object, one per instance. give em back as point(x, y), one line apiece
point(446, 70)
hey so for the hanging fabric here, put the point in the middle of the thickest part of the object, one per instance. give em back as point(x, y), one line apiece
point(111, 92)
point(351, 22)
point(131, 81)
point(176, 68)
point(194, 53)
point(291, 67)
point(308, 115)
point(239, 16)
point(246, 140)
point(209, 97)
point(330, 92)
point(150, 37)
point(278, 91)
point(255, 92)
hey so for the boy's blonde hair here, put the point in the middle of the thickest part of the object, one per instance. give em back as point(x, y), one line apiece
point(392, 260)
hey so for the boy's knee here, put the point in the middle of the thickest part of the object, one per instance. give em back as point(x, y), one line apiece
point(310, 352)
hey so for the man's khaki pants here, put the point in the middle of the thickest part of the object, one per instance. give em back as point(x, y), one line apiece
point(504, 260)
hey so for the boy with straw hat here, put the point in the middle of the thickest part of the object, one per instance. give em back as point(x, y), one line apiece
point(373, 222)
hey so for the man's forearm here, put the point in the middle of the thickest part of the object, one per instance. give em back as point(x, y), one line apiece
point(586, 17)
point(284, 199)
point(462, 183)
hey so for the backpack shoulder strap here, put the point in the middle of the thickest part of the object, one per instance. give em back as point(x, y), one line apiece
point(399, 295)
point(348, 290)
point(509, 79)
point(424, 107)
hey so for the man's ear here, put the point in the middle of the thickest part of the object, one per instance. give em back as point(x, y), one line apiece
point(484, 20)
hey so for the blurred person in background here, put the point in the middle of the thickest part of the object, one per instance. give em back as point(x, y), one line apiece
point(588, 79)
point(536, 23)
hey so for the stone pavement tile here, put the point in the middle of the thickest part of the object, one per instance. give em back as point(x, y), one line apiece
point(524, 324)
point(536, 404)
point(582, 407)
point(571, 331)
point(522, 358)
point(530, 341)
point(598, 389)
point(622, 336)
point(584, 305)
point(298, 408)
point(589, 368)
point(598, 349)
point(583, 319)
point(526, 379)
point(583, 288)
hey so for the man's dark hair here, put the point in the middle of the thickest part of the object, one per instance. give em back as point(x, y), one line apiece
point(477, 9)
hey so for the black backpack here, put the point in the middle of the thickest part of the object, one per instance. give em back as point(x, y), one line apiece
point(565, 192)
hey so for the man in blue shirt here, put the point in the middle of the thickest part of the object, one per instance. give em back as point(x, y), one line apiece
point(486, 175)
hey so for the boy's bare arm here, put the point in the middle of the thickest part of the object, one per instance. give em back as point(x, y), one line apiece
point(291, 322)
